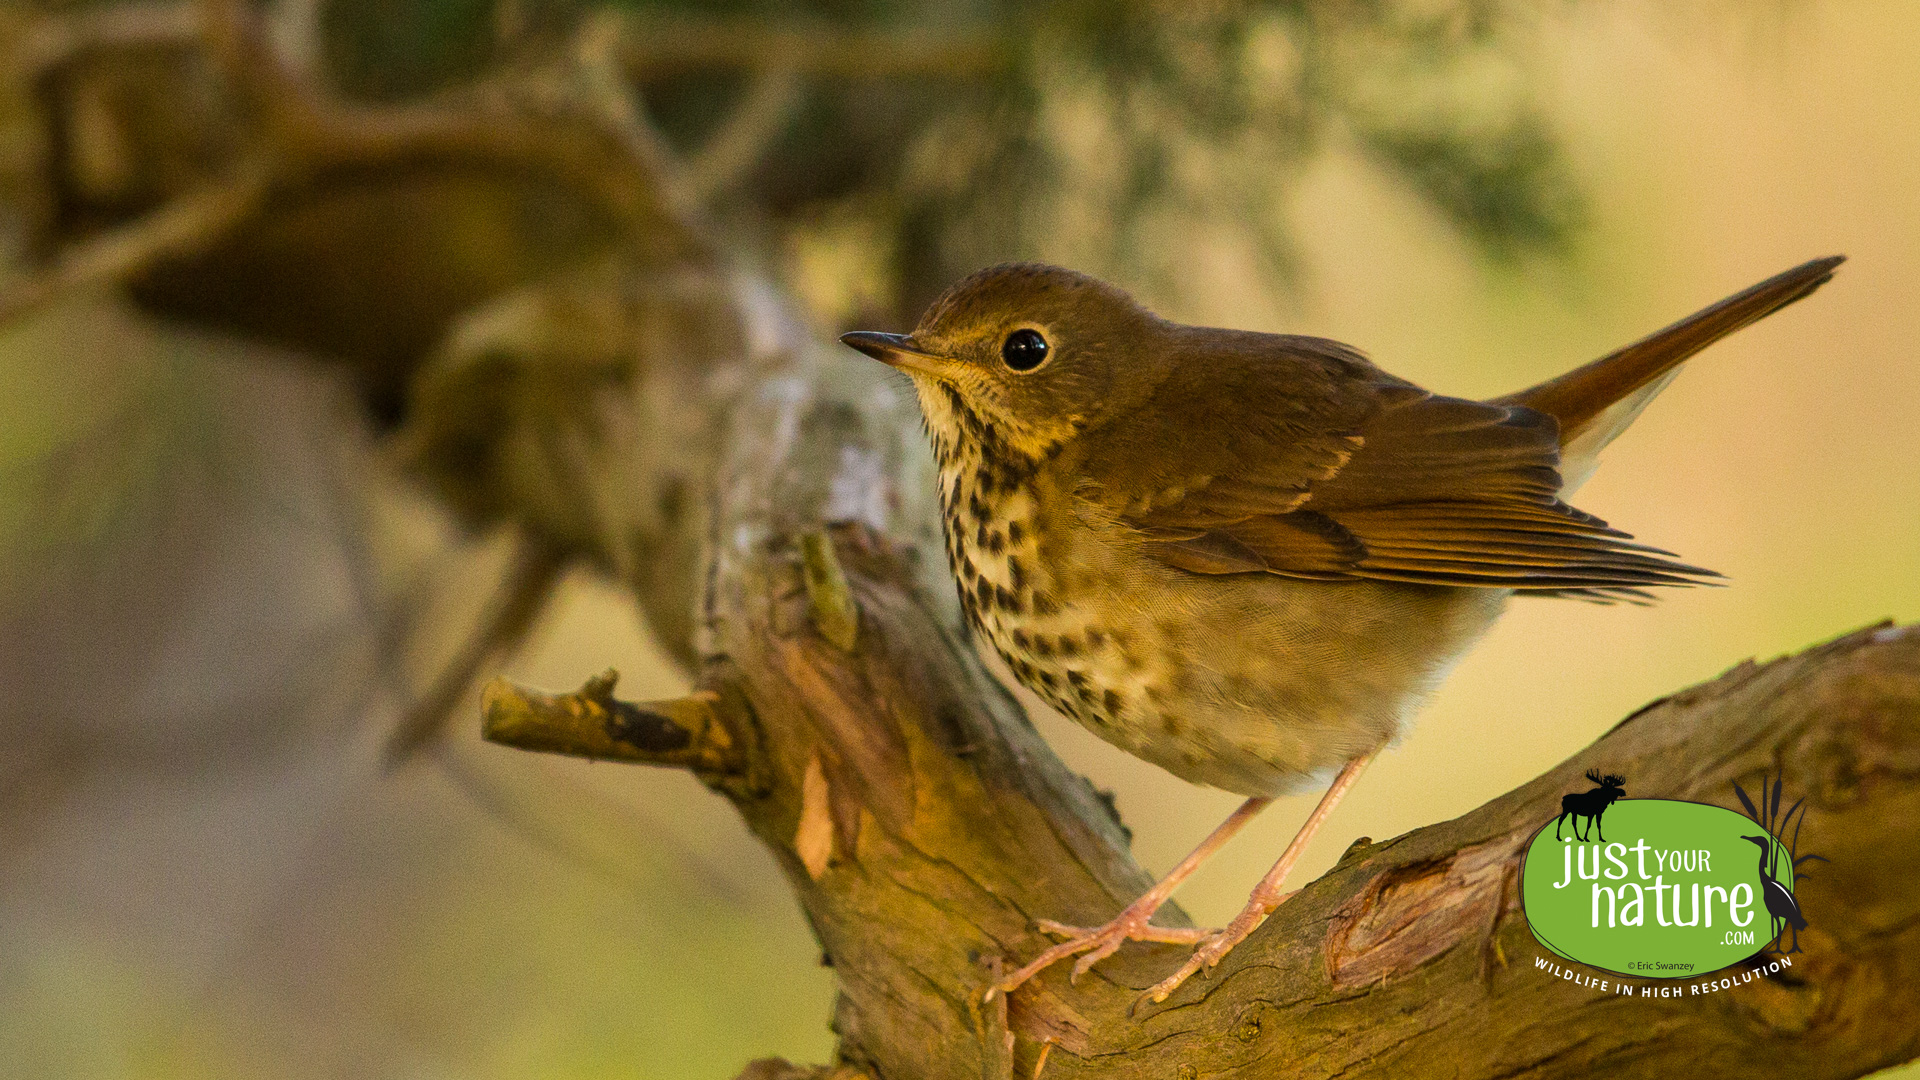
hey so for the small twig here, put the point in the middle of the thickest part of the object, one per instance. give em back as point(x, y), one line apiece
point(596, 56)
point(748, 133)
point(188, 224)
point(590, 723)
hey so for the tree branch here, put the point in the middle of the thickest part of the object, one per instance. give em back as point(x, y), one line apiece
point(685, 732)
point(190, 224)
point(750, 130)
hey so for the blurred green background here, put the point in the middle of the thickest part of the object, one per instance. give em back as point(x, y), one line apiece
point(204, 872)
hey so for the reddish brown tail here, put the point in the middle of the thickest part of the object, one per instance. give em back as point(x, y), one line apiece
point(1595, 401)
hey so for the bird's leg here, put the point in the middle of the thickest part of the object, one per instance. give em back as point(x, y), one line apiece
point(1132, 924)
point(1267, 895)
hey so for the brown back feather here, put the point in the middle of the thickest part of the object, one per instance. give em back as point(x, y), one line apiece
point(1310, 462)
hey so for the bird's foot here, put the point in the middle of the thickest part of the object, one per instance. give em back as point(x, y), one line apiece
point(1218, 944)
point(1101, 942)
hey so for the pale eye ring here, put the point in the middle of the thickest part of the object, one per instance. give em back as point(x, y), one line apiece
point(1024, 349)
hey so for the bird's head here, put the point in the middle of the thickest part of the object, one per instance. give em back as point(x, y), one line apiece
point(1021, 357)
point(1765, 844)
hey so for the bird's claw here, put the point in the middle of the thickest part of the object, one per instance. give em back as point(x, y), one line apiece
point(1098, 943)
point(1215, 947)
point(1203, 958)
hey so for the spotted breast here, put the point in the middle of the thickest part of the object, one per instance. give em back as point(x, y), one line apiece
point(1255, 687)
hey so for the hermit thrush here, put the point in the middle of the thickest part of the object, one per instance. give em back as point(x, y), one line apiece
point(1248, 557)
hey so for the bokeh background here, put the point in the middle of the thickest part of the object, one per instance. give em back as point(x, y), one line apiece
point(206, 872)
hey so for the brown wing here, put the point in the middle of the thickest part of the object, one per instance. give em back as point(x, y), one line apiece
point(1312, 463)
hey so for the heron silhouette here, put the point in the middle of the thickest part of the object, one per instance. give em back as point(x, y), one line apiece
point(1779, 899)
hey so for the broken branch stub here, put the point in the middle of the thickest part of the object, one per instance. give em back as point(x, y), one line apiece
point(591, 723)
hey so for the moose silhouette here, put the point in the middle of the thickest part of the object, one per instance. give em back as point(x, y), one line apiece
point(1590, 805)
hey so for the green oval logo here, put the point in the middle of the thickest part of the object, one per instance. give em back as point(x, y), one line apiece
point(1653, 888)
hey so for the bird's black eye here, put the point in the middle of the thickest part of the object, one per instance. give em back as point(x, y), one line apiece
point(1024, 350)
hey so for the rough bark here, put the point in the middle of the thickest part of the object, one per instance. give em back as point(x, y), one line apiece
point(768, 501)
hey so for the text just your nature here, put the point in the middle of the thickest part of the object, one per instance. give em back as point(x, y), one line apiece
point(1626, 903)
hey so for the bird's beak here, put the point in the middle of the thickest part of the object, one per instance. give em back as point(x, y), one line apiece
point(900, 351)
